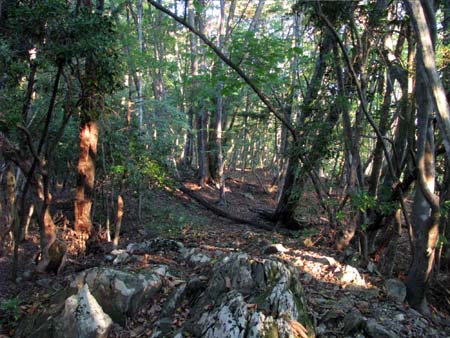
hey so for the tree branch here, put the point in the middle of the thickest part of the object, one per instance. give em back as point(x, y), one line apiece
point(232, 65)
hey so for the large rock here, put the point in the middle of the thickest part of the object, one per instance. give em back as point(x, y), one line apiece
point(395, 290)
point(83, 317)
point(121, 293)
point(154, 245)
point(249, 298)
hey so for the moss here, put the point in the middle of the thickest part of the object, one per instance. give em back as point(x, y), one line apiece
point(272, 332)
point(303, 317)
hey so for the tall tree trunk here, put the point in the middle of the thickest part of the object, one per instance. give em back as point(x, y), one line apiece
point(88, 139)
point(425, 218)
point(291, 191)
point(86, 176)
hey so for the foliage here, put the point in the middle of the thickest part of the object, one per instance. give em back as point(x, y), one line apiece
point(11, 312)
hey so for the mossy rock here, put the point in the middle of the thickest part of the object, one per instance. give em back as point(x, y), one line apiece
point(249, 298)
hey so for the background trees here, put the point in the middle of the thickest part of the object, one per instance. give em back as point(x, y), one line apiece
point(336, 99)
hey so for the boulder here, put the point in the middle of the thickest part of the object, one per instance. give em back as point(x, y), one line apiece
point(395, 290)
point(83, 317)
point(121, 293)
point(154, 245)
point(249, 298)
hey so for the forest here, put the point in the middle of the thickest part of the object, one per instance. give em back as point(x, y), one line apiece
point(224, 168)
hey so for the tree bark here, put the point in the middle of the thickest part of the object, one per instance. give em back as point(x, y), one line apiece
point(86, 176)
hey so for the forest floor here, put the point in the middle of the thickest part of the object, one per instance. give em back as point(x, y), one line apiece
point(176, 216)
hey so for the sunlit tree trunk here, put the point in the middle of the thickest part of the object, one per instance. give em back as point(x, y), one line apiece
point(88, 139)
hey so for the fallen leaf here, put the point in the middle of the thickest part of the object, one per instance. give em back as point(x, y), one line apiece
point(298, 329)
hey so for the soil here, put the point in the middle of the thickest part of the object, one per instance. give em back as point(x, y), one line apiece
point(174, 215)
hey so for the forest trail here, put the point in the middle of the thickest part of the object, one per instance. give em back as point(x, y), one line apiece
point(338, 292)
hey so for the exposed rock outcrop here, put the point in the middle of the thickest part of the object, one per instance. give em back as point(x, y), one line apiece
point(83, 317)
point(249, 298)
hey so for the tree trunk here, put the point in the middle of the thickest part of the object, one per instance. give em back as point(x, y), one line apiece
point(425, 218)
point(86, 176)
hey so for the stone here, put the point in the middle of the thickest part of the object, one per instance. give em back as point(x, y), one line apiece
point(121, 258)
point(83, 317)
point(375, 330)
point(164, 325)
point(249, 298)
point(395, 290)
point(154, 245)
point(173, 301)
point(400, 317)
point(121, 293)
point(117, 252)
point(274, 249)
point(195, 257)
point(353, 321)
point(350, 275)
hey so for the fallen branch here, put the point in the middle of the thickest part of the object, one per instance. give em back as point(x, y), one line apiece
point(221, 212)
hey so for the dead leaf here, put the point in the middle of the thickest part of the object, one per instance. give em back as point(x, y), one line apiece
point(298, 329)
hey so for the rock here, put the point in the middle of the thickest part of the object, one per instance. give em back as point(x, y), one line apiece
point(274, 248)
point(250, 298)
point(330, 261)
point(173, 301)
point(194, 286)
point(351, 275)
point(353, 321)
point(154, 245)
point(400, 317)
point(117, 252)
point(120, 293)
point(195, 257)
point(395, 290)
point(164, 325)
point(121, 258)
point(83, 317)
point(375, 330)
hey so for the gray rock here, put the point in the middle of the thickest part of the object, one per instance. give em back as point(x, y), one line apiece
point(154, 245)
point(164, 325)
point(117, 252)
point(375, 330)
point(83, 317)
point(274, 249)
point(395, 289)
point(248, 298)
point(353, 321)
point(400, 317)
point(121, 258)
point(195, 285)
point(173, 301)
point(120, 293)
